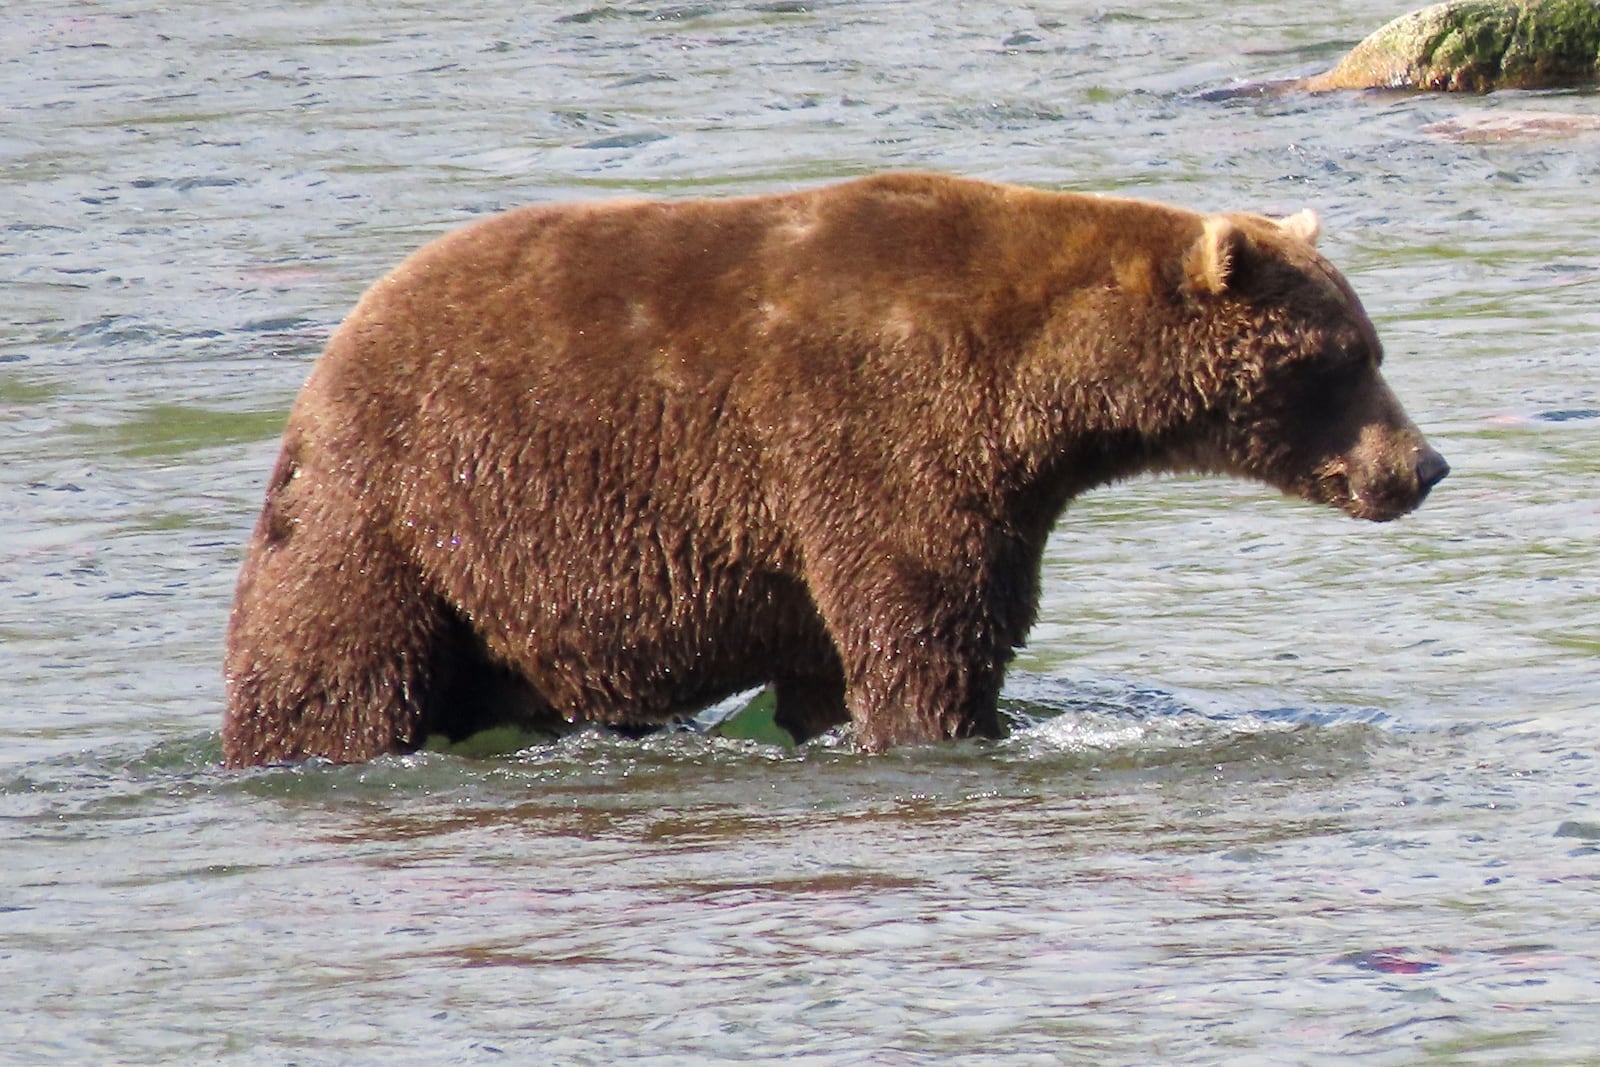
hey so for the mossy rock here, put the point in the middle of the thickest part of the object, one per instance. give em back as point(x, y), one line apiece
point(1476, 46)
point(755, 722)
point(489, 743)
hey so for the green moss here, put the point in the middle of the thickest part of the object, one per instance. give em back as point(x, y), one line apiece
point(19, 392)
point(1577, 642)
point(755, 722)
point(169, 430)
point(1558, 41)
point(1476, 46)
point(1468, 53)
point(487, 744)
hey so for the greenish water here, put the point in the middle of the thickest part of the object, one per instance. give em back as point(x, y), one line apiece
point(1284, 788)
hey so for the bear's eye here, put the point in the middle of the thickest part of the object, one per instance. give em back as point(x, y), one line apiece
point(1347, 353)
point(1358, 349)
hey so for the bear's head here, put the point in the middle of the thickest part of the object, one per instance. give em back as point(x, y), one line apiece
point(1288, 371)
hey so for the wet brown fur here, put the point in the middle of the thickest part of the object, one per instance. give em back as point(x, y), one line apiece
point(612, 462)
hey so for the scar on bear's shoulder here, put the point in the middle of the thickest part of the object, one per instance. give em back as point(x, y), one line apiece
point(277, 517)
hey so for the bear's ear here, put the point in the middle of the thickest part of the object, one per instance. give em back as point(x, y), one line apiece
point(1209, 263)
point(1304, 225)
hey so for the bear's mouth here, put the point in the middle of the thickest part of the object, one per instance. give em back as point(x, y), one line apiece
point(1373, 499)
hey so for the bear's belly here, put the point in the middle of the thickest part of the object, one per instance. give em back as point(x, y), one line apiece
point(604, 659)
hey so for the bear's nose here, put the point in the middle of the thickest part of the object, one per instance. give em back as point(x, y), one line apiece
point(1431, 469)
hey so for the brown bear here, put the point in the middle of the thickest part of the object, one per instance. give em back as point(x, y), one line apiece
point(612, 462)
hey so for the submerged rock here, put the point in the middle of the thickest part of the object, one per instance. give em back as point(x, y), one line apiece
point(1476, 46)
point(1512, 126)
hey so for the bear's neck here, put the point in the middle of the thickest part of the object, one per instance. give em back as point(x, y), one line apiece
point(1105, 411)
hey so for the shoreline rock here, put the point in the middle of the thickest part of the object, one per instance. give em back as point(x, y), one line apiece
point(1475, 46)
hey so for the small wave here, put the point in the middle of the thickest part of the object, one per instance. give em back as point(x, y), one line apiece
point(184, 185)
point(625, 140)
point(1119, 723)
point(1569, 415)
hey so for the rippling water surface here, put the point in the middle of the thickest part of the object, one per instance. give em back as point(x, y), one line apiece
point(1285, 787)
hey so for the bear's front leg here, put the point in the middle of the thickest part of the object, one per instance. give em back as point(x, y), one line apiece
point(918, 689)
point(922, 657)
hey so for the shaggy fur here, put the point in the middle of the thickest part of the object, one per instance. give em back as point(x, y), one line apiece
point(612, 462)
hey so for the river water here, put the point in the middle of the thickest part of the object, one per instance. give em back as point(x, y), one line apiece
point(1286, 788)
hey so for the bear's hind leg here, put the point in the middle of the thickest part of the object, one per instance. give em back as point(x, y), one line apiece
point(332, 643)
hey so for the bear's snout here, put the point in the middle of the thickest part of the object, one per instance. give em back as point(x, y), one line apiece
point(1383, 479)
point(1431, 470)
